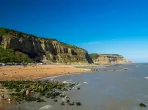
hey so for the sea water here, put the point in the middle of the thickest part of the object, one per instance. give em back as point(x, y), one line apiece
point(105, 90)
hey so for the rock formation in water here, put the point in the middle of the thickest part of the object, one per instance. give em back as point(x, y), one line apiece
point(108, 59)
point(42, 49)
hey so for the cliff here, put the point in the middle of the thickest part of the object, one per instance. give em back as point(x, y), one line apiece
point(42, 49)
point(108, 59)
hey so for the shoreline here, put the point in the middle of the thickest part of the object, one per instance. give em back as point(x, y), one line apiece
point(37, 72)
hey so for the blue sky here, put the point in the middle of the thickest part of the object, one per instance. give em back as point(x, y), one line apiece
point(101, 26)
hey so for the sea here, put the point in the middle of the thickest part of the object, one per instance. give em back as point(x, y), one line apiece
point(117, 87)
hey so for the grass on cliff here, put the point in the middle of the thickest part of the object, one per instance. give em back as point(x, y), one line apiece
point(18, 34)
point(8, 55)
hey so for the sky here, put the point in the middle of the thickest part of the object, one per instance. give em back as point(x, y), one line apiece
point(99, 26)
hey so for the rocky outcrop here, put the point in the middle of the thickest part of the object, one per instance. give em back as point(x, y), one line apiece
point(1, 39)
point(42, 49)
point(108, 59)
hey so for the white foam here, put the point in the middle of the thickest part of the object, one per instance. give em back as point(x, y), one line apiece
point(67, 81)
point(85, 82)
point(146, 77)
point(46, 107)
point(76, 86)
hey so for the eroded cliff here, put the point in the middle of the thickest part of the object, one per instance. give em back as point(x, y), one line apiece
point(108, 59)
point(42, 49)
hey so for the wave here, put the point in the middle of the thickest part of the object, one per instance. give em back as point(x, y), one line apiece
point(146, 77)
point(46, 107)
point(79, 84)
point(85, 82)
point(67, 81)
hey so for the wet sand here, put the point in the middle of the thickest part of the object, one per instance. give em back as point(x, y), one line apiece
point(36, 72)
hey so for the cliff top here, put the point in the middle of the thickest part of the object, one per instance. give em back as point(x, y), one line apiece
point(96, 55)
point(13, 33)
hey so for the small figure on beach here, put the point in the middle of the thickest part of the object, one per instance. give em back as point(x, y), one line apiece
point(28, 92)
point(1, 96)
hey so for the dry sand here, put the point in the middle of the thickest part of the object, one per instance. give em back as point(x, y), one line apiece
point(36, 72)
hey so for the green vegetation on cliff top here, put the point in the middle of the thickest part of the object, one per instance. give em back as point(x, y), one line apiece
point(13, 33)
point(9, 55)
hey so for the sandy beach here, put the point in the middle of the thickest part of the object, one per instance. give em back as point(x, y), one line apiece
point(36, 72)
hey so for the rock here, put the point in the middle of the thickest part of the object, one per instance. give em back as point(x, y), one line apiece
point(108, 59)
point(62, 103)
point(125, 68)
point(78, 104)
point(78, 88)
point(72, 103)
point(67, 101)
point(142, 105)
point(55, 100)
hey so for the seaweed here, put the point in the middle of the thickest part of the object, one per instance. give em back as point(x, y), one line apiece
point(62, 103)
point(142, 105)
point(32, 90)
point(78, 104)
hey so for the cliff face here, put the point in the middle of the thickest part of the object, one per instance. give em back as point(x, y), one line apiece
point(42, 49)
point(108, 59)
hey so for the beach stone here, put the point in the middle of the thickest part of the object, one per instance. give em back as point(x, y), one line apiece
point(78, 104)
point(142, 105)
point(62, 103)
point(78, 88)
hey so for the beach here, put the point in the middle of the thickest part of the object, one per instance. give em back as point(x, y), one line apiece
point(103, 90)
point(36, 72)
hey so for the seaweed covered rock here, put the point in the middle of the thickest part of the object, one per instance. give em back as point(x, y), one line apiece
point(78, 104)
point(35, 91)
point(142, 105)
